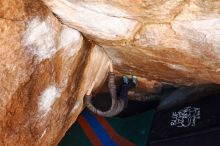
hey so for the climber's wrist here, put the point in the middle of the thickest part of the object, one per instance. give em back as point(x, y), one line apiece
point(110, 67)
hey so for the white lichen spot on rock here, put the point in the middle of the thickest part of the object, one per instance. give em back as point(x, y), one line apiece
point(178, 67)
point(39, 38)
point(47, 98)
point(70, 40)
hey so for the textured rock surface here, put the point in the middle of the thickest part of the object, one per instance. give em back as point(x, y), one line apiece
point(47, 66)
point(171, 41)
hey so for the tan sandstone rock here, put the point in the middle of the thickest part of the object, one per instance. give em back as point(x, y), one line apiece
point(171, 41)
point(46, 68)
point(47, 65)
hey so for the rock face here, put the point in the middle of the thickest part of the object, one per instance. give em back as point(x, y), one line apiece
point(171, 41)
point(47, 65)
point(46, 68)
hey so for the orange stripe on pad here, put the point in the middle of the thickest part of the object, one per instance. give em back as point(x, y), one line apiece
point(88, 131)
point(114, 135)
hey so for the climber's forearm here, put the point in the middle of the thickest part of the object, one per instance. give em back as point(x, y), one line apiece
point(111, 78)
point(117, 104)
point(113, 111)
point(112, 86)
point(110, 66)
point(88, 103)
point(89, 92)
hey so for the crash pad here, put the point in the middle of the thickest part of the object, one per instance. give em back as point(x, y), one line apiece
point(91, 129)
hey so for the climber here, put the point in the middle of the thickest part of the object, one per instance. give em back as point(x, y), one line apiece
point(112, 103)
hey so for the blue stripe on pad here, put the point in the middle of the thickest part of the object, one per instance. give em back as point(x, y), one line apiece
point(98, 129)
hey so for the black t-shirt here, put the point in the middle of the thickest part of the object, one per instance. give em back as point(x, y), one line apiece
point(195, 124)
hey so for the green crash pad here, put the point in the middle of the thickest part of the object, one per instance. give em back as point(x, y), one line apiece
point(90, 129)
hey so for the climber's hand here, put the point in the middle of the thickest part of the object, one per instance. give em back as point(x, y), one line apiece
point(110, 66)
point(90, 88)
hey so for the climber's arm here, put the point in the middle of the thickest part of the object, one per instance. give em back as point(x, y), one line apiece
point(117, 104)
point(111, 83)
point(90, 89)
point(112, 80)
point(110, 67)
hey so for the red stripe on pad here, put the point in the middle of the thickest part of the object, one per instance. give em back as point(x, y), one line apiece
point(88, 131)
point(121, 141)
